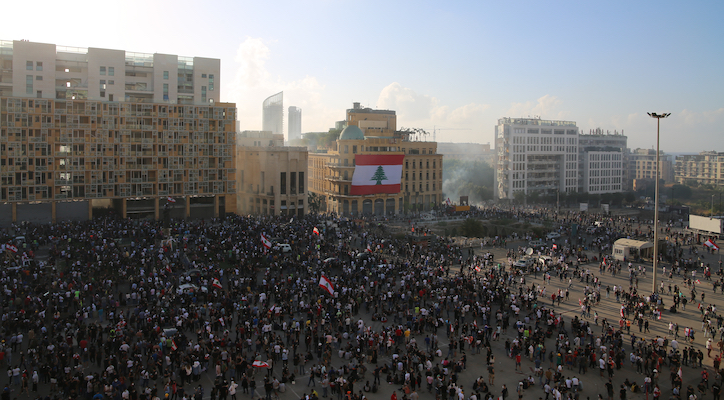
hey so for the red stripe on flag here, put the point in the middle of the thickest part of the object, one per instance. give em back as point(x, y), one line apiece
point(379, 159)
point(374, 189)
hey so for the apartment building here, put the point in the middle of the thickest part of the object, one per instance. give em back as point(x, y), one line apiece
point(706, 167)
point(96, 128)
point(641, 168)
point(535, 156)
point(374, 132)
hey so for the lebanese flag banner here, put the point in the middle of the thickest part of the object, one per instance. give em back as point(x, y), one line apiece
point(266, 242)
point(315, 231)
point(12, 248)
point(260, 364)
point(555, 246)
point(711, 244)
point(377, 173)
point(326, 284)
point(215, 283)
point(173, 345)
point(170, 199)
point(168, 268)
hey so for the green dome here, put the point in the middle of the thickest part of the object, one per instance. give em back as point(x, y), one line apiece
point(352, 132)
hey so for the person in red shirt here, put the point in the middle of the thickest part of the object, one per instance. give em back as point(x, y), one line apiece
point(394, 396)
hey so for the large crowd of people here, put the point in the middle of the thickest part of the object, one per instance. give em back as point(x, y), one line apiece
point(130, 309)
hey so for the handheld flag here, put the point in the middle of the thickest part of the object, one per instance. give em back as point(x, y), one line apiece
point(12, 248)
point(316, 231)
point(326, 284)
point(170, 199)
point(173, 345)
point(710, 243)
point(266, 242)
point(215, 283)
point(260, 364)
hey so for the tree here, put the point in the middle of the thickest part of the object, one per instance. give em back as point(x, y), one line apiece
point(472, 228)
point(379, 175)
point(314, 201)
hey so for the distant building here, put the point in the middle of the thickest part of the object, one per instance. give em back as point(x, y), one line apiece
point(259, 139)
point(271, 177)
point(374, 132)
point(535, 156)
point(466, 151)
point(601, 157)
point(641, 168)
point(294, 126)
point(273, 114)
point(706, 167)
point(47, 71)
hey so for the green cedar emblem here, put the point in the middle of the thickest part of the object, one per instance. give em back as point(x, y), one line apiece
point(379, 175)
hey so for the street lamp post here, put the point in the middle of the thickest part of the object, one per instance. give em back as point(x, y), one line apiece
point(656, 197)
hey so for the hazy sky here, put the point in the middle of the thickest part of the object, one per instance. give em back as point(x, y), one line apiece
point(448, 64)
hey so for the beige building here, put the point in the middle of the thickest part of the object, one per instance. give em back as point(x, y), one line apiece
point(375, 132)
point(272, 178)
point(641, 168)
point(141, 134)
point(706, 167)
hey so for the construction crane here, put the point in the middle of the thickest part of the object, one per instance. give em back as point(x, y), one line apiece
point(435, 129)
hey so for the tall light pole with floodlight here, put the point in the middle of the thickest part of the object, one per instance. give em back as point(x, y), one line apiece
point(656, 197)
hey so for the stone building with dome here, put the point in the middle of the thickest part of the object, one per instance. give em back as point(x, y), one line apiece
point(374, 132)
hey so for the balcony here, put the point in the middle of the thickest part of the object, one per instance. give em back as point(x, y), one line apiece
point(336, 178)
point(337, 165)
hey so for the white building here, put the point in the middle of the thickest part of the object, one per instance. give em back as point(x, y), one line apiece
point(47, 71)
point(601, 164)
point(273, 114)
point(535, 156)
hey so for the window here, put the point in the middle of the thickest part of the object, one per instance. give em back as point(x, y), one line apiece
point(165, 74)
point(28, 84)
point(165, 91)
point(111, 82)
point(203, 75)
point(39, 66)
point(39, 94)
point(111, 71)
point(301, 183)
point(203, 94)
point(293, 182)
point(29, 65)
point(283, 183)
point(211, 82)
point(110, 97)
point(103, 70)
point(39, 78)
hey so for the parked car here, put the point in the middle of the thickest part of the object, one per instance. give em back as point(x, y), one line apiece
point(536, 243)
point(553, 235)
